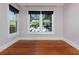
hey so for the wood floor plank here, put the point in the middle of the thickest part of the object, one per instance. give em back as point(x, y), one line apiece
point(40, 47)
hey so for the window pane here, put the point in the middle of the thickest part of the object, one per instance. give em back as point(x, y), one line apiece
point(47, 22)
point(34, 22)
point(12, 22)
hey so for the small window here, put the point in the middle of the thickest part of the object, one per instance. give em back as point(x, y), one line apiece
point(41, 21)
point(12, 19)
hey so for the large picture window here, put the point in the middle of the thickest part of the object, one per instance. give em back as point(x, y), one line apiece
point(41, 21)
point(12, 19)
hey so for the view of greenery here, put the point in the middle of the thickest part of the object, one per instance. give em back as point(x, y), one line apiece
point(34, 23)
point(47, 22)
point(12, 22)
point(12, 26)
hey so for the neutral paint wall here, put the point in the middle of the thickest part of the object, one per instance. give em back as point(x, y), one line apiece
point(3, 24)
point(71, 23)
point(23, 26)
point(4, 34)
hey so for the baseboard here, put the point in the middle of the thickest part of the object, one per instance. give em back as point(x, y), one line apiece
point(40, 38)
point(72, 44)
point(8, 45)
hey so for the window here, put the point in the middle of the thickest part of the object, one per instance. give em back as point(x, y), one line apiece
point(47, 22)
point(12, 19)
point(41, 21)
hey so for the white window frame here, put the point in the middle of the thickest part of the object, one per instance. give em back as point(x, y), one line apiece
point(53, 32)
point(10, 35)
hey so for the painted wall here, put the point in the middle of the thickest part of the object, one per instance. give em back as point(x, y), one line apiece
point(23, 26)
point(3, 24)
point(4, 34)
point(71, 23)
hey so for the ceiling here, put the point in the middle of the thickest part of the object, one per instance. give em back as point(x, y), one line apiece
point(40, 4)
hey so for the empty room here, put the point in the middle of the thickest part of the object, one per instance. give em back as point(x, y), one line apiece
point(39, 28)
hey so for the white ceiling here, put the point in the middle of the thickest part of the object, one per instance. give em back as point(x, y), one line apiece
point(40, 4)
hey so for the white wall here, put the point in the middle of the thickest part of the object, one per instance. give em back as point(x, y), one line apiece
point(3, 24)
point(24, 22)
point(4, 34)
point(71, 24)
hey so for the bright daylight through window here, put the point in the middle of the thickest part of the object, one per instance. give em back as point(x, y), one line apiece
point(12, 19)
point(41, 21)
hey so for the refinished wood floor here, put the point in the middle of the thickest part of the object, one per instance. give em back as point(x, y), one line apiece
point(40, 47)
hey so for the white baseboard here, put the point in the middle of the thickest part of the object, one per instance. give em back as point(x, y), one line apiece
point(40, 38)
point(8, 45)
point(72, 44)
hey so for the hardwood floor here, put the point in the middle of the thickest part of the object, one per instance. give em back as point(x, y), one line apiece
point(40, 47)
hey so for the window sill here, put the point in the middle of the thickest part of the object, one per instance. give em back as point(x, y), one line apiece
point(41, 32)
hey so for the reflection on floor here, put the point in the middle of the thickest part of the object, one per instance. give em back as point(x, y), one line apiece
point(40, 47)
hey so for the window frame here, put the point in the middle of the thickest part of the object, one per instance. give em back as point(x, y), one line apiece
point(53, 32)
point(10, 35)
